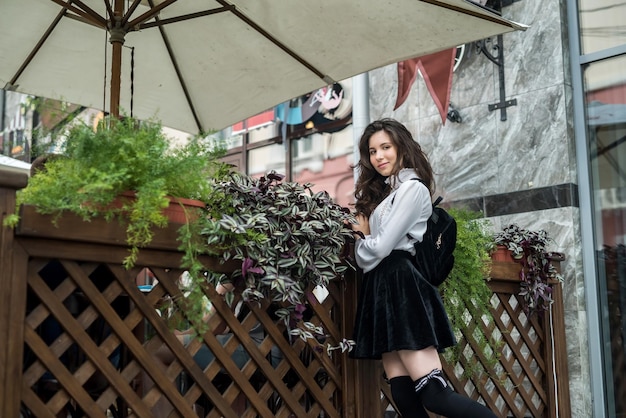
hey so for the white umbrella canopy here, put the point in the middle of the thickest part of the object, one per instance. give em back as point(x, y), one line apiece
point(198, 65)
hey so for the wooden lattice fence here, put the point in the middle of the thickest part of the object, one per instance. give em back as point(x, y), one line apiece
point(106, 349)
point(79, 335)
point(529, 378)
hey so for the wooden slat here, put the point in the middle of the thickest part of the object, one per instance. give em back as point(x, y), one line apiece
point(347, 288)
point(533, 381)
point(8, 398)
point(60, 345)
point(85, 342)
point(224, 358)
point(556, 323)
point(98, 230)
point(297, 366)
point(509, 340)
point(108, 345)
point(58, 369)
point(127, 335)
point(88, 252)
point(13, 300)
point(505, 272)
point(176, 347)
point(36, 406)
point(12, 180)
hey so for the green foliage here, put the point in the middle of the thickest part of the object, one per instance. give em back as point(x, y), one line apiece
point(288, 239)
point(97, 166)
point(11, 220)
point(530, 249)
point(465, 293)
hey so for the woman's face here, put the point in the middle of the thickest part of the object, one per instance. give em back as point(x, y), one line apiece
point(383, 153)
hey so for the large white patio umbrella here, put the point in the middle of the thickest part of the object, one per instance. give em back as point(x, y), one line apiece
point(198, 65)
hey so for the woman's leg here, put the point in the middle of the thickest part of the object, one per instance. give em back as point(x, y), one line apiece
point(402, 388)
point(434, 392)
point(419, 363)
point(437, 396)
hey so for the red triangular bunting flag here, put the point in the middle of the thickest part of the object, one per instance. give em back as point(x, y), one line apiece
point(437, 72)
point(407, 71)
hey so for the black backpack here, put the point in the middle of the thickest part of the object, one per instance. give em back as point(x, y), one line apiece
point(434, 256)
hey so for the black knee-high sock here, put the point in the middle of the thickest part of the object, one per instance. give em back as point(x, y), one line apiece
point(438, 397)
point(405, 397)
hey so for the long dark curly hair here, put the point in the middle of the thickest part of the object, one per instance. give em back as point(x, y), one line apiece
point(370, 187)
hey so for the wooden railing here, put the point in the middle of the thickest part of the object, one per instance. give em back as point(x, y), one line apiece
point(78, 335)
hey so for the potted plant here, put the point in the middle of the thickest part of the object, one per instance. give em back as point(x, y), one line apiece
point(122, 169)
point(465, 292)
point(538, 272)
point(287, 238)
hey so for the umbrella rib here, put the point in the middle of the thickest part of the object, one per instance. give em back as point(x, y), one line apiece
point(110, 11)
point(183, 85)
point(181, 18)
point(87, 13)
point(268, 36)
point(154, 11)
point(130, 11)
point(11, 84)
point(83, 20)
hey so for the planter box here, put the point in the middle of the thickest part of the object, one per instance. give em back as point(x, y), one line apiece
point(178, 211)
point(504, 267)
point(71, 228)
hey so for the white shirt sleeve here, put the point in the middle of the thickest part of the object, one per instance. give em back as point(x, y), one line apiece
point(404, 211)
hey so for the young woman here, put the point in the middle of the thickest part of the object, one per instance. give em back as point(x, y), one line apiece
point(400, 316)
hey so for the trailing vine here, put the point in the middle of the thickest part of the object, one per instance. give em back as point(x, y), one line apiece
point(288, 239)
point(538, 273)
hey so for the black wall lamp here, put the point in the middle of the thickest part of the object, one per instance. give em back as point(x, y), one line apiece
point(453, 114)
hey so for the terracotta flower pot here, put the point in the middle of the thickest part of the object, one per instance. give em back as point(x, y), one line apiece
point(181, 209)
point(178, 211)
point(502, 254)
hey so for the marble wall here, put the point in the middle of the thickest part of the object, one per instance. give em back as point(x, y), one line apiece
point(521, 170)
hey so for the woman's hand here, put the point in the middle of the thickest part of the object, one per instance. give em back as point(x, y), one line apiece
point(362, 225)
point(223, 288)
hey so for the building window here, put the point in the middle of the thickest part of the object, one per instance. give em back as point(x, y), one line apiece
point(601, 24)
point(308, 139)
point(605, 101)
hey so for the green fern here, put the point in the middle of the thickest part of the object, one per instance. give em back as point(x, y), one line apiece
point(97, 165)
point(465, 293)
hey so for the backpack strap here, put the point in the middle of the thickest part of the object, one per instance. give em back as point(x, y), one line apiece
point(434, 216)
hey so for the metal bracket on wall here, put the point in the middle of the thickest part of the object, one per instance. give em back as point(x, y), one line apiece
point(497, 59)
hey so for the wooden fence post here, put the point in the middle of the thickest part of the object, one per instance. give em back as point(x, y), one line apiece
point(12, 299)
point(557, 354)
point(362, 377)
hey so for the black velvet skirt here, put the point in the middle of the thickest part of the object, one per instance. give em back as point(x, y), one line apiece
point(399, 310)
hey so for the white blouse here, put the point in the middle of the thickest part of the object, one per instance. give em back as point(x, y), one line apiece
point(390, 223)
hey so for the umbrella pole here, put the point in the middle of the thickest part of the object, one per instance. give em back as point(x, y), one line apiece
point(117, 34)
point(115, 78)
